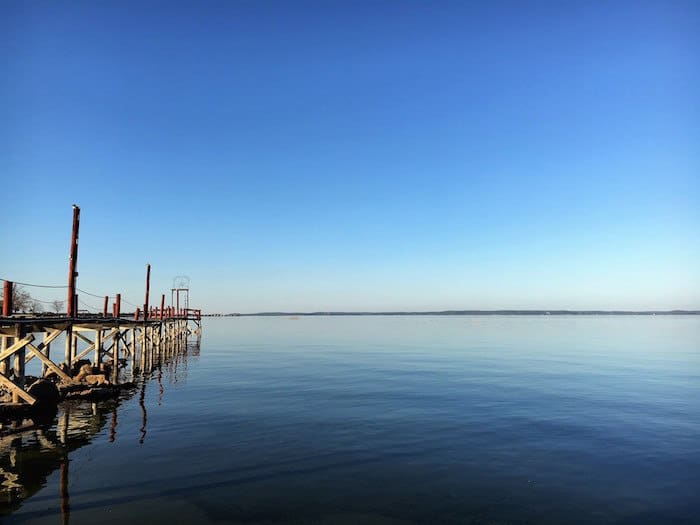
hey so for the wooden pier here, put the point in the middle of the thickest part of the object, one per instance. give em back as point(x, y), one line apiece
point(34, 446)
point(115, 347)
point(99, 351)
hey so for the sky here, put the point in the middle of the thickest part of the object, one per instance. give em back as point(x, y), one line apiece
point(317, 156)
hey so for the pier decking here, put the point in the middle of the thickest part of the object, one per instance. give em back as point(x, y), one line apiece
point(111, 344)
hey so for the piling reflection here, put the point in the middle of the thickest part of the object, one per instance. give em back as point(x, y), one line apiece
point(33, 448)
point(65, 497)
point(144, 415)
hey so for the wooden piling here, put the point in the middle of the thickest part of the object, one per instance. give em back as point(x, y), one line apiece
point(148, 289)
point(98, 347)
point(47, 352)
point(73, 263)
point(6, 312)
point(18, 367)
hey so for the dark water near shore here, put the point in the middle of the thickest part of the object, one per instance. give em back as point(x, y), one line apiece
point(386, 420)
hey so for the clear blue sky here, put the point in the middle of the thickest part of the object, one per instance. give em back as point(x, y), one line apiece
point(356, 155)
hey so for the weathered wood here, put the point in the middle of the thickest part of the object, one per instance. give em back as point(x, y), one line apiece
point(16, 346)
point(5, 363)
point(115, 358)
point(47, 350)
point(98, 347)
point(69, 341)
point(84, 353)
point(74, 346)
point(156, 340)
point(18, 371)
point(83, 338)
point(48, 338)
point(16, 391)
point(50, 364)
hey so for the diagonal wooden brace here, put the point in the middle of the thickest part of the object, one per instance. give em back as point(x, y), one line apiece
point(17, 390)
point(60, 373)
point(44, 344)
point(16, 347)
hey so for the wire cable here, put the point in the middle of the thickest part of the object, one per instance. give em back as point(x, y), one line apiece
point(34, 285)
point(131, 304)
point(90, 307)
point(64, 286)
point(90, 294)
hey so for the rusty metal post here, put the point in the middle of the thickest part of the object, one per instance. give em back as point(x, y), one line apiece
point(6, 298)
point(73, 263)
point(104, 307)
point(148, 289)
point(6, 312)
point(162, 305)
point(137, 312)
point(118, 306)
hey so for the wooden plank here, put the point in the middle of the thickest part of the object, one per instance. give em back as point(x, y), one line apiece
point(17, 390)
point(16, 347)
point(50, 364)
point(47, 341)
point(109, 336)
point(84, 353)
point(82, 337)
point(99, 345)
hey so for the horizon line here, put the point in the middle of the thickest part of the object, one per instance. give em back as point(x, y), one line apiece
point(459, 312)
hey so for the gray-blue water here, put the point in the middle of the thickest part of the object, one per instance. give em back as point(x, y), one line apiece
point(389, 420)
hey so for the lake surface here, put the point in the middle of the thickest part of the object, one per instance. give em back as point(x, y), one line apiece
point(385, 420)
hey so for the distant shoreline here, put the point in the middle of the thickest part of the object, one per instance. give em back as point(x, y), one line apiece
point(464, 312)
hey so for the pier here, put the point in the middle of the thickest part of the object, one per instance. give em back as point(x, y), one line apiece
point(89, 354)
point(34, 447)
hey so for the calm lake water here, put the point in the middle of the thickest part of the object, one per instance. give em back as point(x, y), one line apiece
point(385, 420)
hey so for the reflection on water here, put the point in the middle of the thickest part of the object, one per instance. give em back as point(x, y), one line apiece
point(34, 448)
point(396, 420)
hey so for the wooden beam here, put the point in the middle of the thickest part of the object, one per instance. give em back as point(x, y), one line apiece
point(82, 337)
point(84, 352)
point(16, 390)
point(47, 341)
point(17, 347)
point(50, 364)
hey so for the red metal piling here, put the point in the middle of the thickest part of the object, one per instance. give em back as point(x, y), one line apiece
point(72, 305)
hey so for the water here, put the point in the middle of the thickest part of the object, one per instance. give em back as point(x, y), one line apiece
point(386, 420)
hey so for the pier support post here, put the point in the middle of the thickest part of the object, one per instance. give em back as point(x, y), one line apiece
point(98, 347)
point(7, 308)
point(69, 343)
point(72, 304)
point(46, 352)
point(18, 366)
